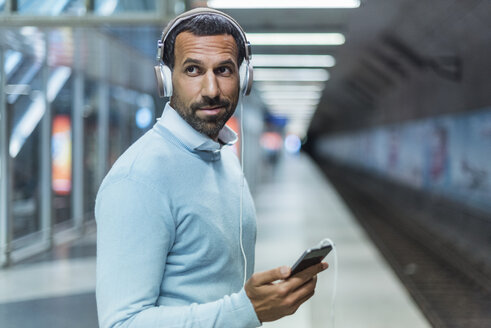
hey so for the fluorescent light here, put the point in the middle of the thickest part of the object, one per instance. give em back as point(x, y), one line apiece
point(36, 109)
point(12, 60)
point(294, 110)
point(292, 102)
point(26, 125)
point(288, 103)
point(26, 79)
point(57, 80)
point(298, 74)
point(28, 30)
point(293, 88)
point(17, 89)
point(296, 39)
point(306, 111)
point(301, 125)
point(291, 95)
point(300, 122)
point(287, 108)
point(261, 4)
point(107, 7)
point(293, 61)
point(298, 129)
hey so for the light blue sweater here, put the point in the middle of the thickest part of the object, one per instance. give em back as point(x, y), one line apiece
point(168, 252)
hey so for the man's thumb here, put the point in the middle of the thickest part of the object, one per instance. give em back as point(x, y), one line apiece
point(284, 272)
point(267, 277)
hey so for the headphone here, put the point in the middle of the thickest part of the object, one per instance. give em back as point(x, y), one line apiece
point(163, 73)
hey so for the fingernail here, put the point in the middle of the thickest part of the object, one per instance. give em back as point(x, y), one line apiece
point(285, 271)
point(324, 265)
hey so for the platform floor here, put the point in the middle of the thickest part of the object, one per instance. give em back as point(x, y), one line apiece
point(296, 208)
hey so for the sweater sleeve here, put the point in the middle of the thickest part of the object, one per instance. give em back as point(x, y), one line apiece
point(133, 240)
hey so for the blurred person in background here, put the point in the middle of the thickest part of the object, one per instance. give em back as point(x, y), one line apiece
point(168, 229)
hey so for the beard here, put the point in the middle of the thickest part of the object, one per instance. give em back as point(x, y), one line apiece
point(210, 125)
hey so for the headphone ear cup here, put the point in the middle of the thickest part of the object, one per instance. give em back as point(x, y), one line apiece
point(160, 81)
point(163, 74)
point(167, 77)
point(242, 76)
point(246, 77)
point(250, 79)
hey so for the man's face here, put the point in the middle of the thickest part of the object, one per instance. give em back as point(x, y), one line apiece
point(205, 80)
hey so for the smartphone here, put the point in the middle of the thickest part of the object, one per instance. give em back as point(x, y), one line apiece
point(310, 257)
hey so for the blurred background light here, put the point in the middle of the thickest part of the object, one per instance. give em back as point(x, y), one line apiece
point(143, 117)
point(12, 60)
point(28, 30)
point(291, 95)
point(34, 113)
point(296, 39)
point(107, 7)
point(292, 144)
point(27, 123)
point(292, 102)
point(293, 61)
point(271, 141)
point(289, 87)
point(241, 4)
point(61, 153)
point(296, 74)
point(57, 80)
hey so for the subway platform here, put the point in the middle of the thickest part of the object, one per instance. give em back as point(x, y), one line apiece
point(296, 208)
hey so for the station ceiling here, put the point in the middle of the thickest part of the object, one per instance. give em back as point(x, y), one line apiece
point(361, 27)
point(386, 40)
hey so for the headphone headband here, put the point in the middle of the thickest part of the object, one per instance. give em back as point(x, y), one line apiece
point(196, 12)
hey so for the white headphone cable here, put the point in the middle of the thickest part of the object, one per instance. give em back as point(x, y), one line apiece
point(242, 187)
point(335, 282)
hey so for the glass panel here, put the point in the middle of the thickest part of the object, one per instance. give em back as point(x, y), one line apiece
point(90, 146)
point(60, 90)
point(110, 7)
point(27, 107)
point(50, 7)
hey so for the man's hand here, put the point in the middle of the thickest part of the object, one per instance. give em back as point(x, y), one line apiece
point(273, 301)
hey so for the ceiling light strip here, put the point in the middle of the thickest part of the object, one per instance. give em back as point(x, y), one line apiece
point(290, 95)
point(283, 87)
point(293, 61)
point(282, 4)
point(299, 74)
point(296, 39)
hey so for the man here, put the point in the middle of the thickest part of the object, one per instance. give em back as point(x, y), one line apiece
point(168, 251)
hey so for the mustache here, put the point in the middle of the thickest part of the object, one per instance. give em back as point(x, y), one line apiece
point(210, 102)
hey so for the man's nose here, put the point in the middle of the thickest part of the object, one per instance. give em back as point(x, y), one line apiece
point(210, 86)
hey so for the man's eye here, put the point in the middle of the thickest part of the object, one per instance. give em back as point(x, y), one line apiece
point(192, 69)
point(224, 70)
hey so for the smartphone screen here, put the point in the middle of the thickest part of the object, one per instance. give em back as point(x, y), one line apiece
point(310, 257)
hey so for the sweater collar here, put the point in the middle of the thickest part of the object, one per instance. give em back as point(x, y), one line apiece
point(193, 139)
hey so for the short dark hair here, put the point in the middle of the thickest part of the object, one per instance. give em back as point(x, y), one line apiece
point(203, 25)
